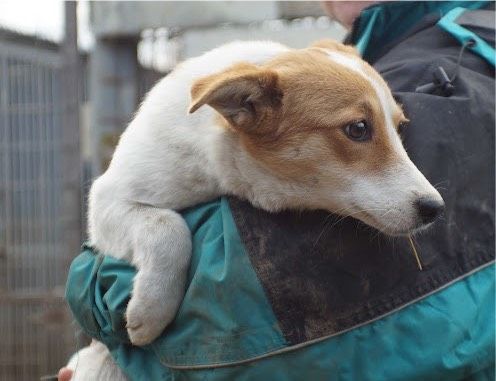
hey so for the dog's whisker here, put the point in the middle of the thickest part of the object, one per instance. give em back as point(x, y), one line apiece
point(344, 216)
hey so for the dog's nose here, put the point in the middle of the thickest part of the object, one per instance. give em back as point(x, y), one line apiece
point(429, 208)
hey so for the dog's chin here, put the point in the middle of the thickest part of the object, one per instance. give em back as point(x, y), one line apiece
point(394, 230)
point(404, 232)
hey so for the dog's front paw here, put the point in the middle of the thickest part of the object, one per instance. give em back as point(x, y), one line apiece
point(146, 319)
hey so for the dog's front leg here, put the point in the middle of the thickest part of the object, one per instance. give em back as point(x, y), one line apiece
point(161, 244)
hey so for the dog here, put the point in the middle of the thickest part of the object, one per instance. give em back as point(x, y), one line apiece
point(313, 128)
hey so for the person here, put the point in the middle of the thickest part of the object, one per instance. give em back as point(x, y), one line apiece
point(307, 296)
point(346, 12)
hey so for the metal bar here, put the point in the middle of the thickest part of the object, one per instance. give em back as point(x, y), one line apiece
point(71, 165)
point(32, 296)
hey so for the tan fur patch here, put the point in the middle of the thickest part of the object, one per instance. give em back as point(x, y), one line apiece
point(319, 99)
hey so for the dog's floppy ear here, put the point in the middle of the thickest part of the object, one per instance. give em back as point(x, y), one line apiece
point(334, 46)
point(242, 94)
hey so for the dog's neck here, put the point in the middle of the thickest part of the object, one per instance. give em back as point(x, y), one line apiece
point(241, 174)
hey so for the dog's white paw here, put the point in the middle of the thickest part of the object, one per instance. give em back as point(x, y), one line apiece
point(147, 318)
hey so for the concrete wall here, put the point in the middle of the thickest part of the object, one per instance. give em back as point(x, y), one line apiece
point(126, 18)
point(196, 41)
point(113, 96)
point(116, 18)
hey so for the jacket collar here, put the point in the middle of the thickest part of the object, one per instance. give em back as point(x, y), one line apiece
point(381, 24)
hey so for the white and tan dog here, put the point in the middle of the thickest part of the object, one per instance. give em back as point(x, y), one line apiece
point(314, 128)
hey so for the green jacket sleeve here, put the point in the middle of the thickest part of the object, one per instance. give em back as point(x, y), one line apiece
point(98, 289)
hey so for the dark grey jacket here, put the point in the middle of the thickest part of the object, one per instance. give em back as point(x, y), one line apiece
point(356, 274)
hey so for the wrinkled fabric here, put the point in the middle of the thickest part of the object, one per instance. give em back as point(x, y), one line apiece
point(224, 316)
point(446, 336)
point(450, 23)
point(228, 327)
point(349, 274)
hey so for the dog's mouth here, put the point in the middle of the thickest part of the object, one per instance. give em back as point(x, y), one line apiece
point(408, 232)
point(395, 227)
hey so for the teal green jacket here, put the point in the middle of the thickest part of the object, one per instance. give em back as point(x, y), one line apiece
point(226, 328)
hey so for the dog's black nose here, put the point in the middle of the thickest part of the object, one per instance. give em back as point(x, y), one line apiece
point(429, 209)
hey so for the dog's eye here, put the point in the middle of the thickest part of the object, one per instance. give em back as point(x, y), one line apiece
point(359, 131)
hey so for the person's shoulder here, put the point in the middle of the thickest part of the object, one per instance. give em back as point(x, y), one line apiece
point(413, 61)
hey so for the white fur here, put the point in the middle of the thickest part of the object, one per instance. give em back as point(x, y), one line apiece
point(168, 159)
point(95, 363)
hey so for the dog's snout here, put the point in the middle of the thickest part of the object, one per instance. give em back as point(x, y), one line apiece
point(429, 208)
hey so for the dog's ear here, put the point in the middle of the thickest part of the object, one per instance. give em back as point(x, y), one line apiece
point(334, 46)
point(243, 94)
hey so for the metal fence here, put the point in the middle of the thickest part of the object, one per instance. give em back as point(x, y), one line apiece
point(35, 333)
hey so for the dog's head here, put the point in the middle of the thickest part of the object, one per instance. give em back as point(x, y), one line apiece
point(325, 124)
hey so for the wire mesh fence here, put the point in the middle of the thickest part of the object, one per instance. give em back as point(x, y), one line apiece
point(35, 333)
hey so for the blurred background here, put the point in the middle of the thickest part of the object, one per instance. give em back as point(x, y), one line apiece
point(71, 77)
